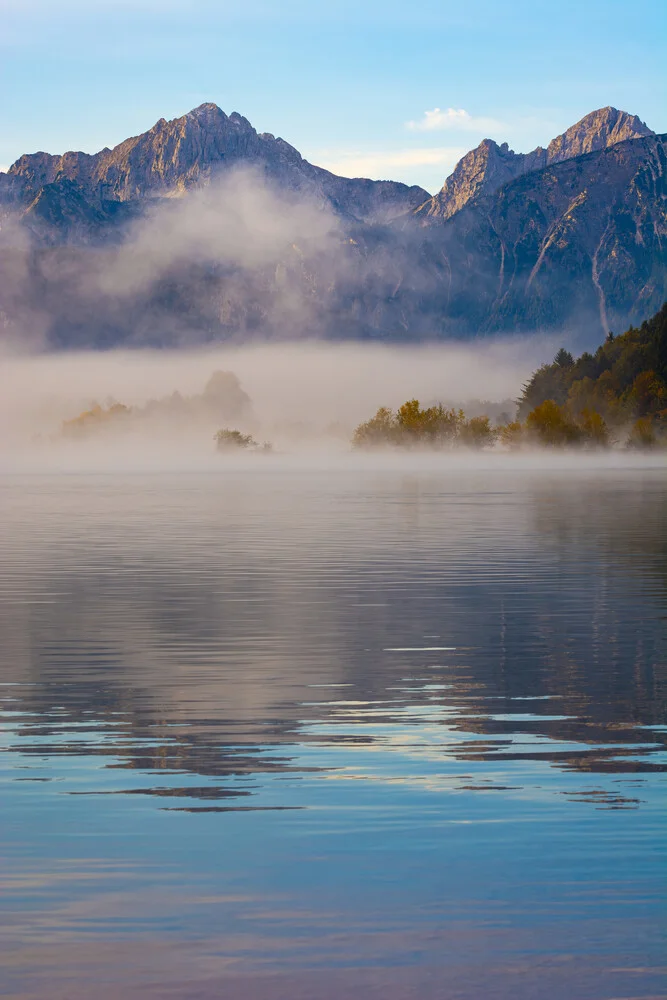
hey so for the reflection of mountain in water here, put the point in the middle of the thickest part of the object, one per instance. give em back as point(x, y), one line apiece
point(204, 626)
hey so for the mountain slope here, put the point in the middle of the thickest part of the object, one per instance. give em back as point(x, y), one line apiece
point(485, 169)
point(581, 242)
point(176, 156)
point(576, 245)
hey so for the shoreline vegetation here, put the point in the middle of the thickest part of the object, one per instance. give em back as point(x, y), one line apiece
point(614, 398)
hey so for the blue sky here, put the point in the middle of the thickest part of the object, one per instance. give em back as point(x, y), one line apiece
point(348, 82)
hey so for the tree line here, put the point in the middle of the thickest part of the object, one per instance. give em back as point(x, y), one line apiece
point(618, 395)
point(621, 387)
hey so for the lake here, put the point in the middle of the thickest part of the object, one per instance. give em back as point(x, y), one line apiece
point(274, 732)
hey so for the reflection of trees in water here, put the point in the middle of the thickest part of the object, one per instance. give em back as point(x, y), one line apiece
point(597, 629)
point(599, 518)
point(195, 636)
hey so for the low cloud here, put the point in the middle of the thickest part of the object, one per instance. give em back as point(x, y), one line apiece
point(303, 396)
point(241, 220)
point(439, 120)
point(239, 257)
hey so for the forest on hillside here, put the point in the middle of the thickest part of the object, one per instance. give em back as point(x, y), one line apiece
point(624, 381)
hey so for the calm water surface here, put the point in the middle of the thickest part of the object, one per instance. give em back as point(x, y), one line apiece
point(382, 734)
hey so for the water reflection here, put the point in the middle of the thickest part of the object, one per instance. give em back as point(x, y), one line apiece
point(190, 636)
point(352, 657)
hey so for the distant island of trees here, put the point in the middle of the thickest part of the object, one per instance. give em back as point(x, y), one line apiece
point(222, 399)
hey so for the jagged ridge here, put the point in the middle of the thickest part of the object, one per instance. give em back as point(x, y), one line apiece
point(174, 156)
point(575, 233)
point(485, 169)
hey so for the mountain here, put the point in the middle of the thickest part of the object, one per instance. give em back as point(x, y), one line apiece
point(485, 169)
point(175, 156)
point(579, 244)
point(570, 238)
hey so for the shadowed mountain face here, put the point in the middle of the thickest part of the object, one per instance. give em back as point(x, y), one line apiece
point(570, 238)
point(583, 241)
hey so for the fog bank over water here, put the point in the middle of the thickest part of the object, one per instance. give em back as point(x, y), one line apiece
point(311, 385)
point(304, 398)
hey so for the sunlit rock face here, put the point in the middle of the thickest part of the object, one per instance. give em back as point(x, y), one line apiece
point(597, 130)
point(485, 169)
point(175, 156)
point(571, 238)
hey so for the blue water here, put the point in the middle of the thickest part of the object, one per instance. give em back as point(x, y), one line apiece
point(280, 734)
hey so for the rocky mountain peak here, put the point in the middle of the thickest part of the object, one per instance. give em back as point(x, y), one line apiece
point(210, 117)
point(485, 169)
point(597, 130)
point(204, 110)
point(571, 234)
point(238, 119)
point(174, 156)
point(481, 171)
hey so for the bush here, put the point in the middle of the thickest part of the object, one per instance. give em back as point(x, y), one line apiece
point(477, 433)
point(227, 440)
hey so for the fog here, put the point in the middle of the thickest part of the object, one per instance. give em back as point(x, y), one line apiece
point(306, 399)
point(270, 267)
point(301, 394)
point(241, 220)
point(238, 257)
point(234, 258)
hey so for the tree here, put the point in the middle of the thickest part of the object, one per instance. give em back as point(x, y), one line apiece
point(549, 425)
point(626, 378)
point(647, 395)
point(477, 433)
point(563, 359)
point(433, 425)
point(411, 426)
point(594, 430)
point(95, 418)
point(548, 382)
point(224, 395)
point(378, 431)
point(512, 434)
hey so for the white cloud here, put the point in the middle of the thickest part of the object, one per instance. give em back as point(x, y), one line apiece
point(438, 120)
point(387, 164)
